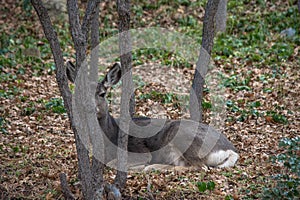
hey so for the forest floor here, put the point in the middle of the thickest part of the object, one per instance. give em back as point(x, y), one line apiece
point(259, 70)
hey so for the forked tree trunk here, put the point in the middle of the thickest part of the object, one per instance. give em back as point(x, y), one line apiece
point(196, 93)
point(90, 178)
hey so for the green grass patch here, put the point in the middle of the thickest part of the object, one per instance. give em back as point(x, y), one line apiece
point(56, 105)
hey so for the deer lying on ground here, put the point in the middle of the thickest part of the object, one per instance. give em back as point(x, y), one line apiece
point(169, 142)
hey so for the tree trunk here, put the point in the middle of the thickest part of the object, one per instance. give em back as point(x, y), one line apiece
point(97, 165)
point(196, 93)
point(127, 102)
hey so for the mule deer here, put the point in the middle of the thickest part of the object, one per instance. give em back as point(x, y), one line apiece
point(173, 142)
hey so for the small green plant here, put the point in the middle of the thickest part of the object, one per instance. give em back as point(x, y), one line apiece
point(206, 105)
point(237, 83)
point(16, 149)
point(7, 77)
point(229, 197)
point(162, 97)
point(277, 117)
point(203, 186)
point(27, 7)
point(188, 21)
point(56, 105)
point(250, 110)
point(28, 111)
point(287, 184)
point(3, 125)
point(9, 93)
point(138, 81)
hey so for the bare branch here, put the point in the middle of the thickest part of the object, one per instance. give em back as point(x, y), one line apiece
point(53, 41)
point(80, 32)
point(75, 28)
point(209, 25)
point(221, 16)
point(90, 11)
point(79, 39)
point(68, 195)
point(95, 28)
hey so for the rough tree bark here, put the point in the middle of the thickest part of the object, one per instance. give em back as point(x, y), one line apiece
point(97, 165)
point(90, 179)
point(127, 99)
point(196, 93)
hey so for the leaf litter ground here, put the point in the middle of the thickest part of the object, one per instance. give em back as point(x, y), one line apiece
point(37, 144)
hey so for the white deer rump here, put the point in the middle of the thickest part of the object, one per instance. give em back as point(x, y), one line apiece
point(222, 158)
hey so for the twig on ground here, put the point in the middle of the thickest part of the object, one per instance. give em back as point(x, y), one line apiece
point(65, 188)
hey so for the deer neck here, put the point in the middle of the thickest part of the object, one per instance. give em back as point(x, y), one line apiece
point(108, 125)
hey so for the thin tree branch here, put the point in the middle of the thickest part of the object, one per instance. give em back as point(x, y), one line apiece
point(221, 16)
point(68, 195)
point(78, 37)
point(55, 46)
point(75, 28)
point(80, 32)
point(95, 29)
point(92, 6)
point(196, 93)
point(209, 25)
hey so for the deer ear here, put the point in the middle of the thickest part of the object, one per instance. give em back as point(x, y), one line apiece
point(114, 75)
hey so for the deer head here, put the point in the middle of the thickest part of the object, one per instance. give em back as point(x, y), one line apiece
point(112, 77)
